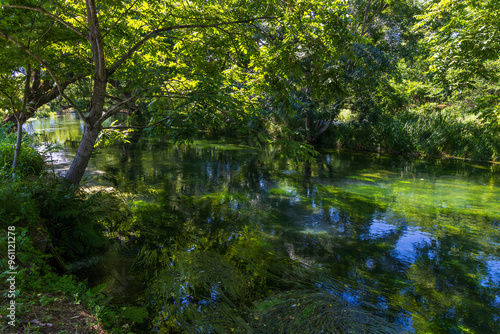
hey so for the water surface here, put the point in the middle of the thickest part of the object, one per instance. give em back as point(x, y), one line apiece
point(233, 238)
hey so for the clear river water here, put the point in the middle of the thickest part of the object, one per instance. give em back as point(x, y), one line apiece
point(228, 237)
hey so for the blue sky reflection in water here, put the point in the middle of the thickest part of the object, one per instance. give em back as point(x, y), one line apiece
point(417, 239)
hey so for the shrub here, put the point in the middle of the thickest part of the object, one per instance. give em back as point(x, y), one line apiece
point(30, 161)
point(44, 298)
point(74, 220)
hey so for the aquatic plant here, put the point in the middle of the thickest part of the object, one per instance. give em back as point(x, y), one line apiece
point(426, 130)
point(310, 311)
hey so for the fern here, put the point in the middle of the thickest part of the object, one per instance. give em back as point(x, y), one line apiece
point(73, 217)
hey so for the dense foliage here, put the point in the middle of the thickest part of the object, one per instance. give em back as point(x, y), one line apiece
point(269, 70)
point(398, 76)
point(30, 161)
point(55, 227)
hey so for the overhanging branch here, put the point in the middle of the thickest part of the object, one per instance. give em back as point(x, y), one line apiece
point(59, 86)
point(139, 127)
point(55, 17)
point(111, 111)
point(156, 32)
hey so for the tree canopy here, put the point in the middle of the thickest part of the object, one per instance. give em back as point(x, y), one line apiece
point(235, 65)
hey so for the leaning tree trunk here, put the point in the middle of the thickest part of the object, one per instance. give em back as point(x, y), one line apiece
point(20, 120)
point(85, 149)
point(93, 121)
point(320, 127)
point(91, 131)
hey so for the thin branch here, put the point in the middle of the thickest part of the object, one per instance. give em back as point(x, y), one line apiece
point(59, 87)
point(171, 96)
point(156, 32)
point(365, 17)
point(118, 20)
point(113, 98)
point(42, 37)
point(381, 7)
point(58, 5)
point(111, 111)
point(140, 127)
point(55, 17)
point(11, 103)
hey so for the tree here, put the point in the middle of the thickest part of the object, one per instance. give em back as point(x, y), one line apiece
point(462, 36)
point(119, 40)
point(464, 42)
point(203, 62)
point(24, 85)
point(328, 56)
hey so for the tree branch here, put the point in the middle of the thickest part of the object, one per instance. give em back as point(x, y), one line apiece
point(11, 104)
point(26, 91)
point(327, 125)
point(156, 32)
point(53, 93)
point(55, 17)
point(111, 111)
point(365, 18)
point(59, 87)
point(140, 127)
point(118, 20)
point(58, 5)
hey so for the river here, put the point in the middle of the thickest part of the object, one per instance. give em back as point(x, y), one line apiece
point(228, 237)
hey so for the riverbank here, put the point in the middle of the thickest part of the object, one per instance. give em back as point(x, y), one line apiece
point(44, 226)
point(431, 130)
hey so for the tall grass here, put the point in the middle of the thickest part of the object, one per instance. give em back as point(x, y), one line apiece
point(431, 130)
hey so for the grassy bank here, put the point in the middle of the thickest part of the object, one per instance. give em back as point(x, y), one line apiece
point(430, 130)
point(45, 226)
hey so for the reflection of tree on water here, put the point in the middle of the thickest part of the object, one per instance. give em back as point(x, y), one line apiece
point(284, 253)
point(388, 232)
point(446, 276)
point(348, 253)
point(447, 282)
point(198, 285)
point(342, 253)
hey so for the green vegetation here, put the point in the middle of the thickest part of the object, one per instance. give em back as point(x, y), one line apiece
point(53, 225)
point(30, 162)
point(44, 112)
point(44, 298)
point(295, 78)
point(280, 72)
point(428, 130)
point(232, 278)
point(204, 246)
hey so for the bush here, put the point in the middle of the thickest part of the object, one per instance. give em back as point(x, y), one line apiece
point(73, 219)
point(44, 299)
point(45, 111)
point(69, 224)
point(30, 161)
